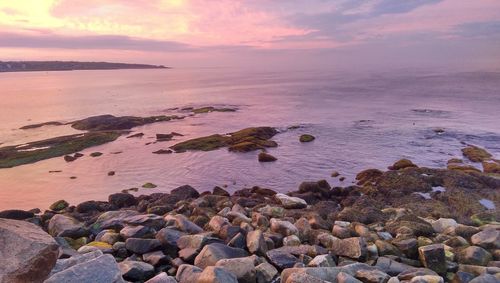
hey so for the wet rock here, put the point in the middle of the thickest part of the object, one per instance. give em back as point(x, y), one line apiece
point(386, 248)
point(491, 167)
point(266, 157)
point(136, 270)
point(243, 268)
point(102, 269)
point(163, 151)
point(265, 272)
point(95, 154)
point(433, 257)
point(306, 138)
point(59, 205)
point(185, 192)
point(65, 226)
point(289, 202)
point(321, 187)
point(142, 246)
point(162, 278)
point(122, 200)
point(149, 185)
point(212, 253)
point(369, 175)
point(476, 154)
point(27, 252)
point(188, 273)
point(372, 276)
point(351, 247)
point(474, 256)
point(417, 226)
point(16, 214)
point(401, 164)
point(111, 173)
point(213, 274)
point(488, 239)
point(218, 191)
point(110, 122)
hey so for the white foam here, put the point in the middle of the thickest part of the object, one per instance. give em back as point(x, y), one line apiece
point(488, 204)
point(424, 195)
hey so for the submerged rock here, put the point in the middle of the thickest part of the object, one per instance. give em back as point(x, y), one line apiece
point(266, 157)
point(306, 138)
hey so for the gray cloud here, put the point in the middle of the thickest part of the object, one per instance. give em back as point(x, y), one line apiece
point(486, 30)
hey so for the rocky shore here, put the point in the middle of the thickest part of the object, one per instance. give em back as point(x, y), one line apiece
point(406, 224)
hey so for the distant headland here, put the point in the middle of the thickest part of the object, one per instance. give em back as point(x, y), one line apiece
point(32, 66)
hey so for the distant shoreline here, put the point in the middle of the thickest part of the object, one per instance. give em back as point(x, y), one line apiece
point(49, 66)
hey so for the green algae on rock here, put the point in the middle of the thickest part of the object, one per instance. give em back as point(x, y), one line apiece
point(110, 122)
point(306, 138)
point(245, 140)
point(212, 109)
point(149, 185)
point(11, 156)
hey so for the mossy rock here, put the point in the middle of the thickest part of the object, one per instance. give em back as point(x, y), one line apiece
point(306, 138)
point(59, 205)
point(241, 141)
point(149, 186)
point(491, 167)
point(401, 164)
point(101, 245)
point(11, 156)
point(77, 243)
point(476, 154)
point(110, 122)
point(211, 109)
point(484, 218)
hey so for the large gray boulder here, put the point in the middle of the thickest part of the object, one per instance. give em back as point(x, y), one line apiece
point(27, 253)
point(102, 269)
point(65, 226)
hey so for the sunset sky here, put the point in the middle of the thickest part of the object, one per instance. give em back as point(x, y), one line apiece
point(211, 33)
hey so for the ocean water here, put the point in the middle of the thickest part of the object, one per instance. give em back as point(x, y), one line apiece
point(361, 120)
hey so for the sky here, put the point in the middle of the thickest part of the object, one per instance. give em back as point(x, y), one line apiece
point(262, 33)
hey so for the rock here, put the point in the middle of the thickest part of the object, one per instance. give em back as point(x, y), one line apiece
point(368, 175)
point(385, 248)
point(93, 246)
point(112, 220)
point(476, 154)
point(183, 224)
point(391, 266)
point(322, 261)
point(162, 278)
point(111, 173)
point(344, 277)
point(155, 258)
point(291, 202)
point(354, 247)
point(149, 220)
point(108, 236)
point(255, 242)
point(408, 246)
point(488, 239)
point(63, 264)
point(291, 240)
point(212, 253)
point(265, 272)
point(149, 185)
point(491, 167)
point(196, 242)
point(188, 273)
point(59, 205)
point(122, 200)
point(136, 270)
point(306, 138)
point(27, 252)
point(321, 187)
point(433, 257)
point(142, 246)
point(427, 279)
point(486, 278)
point(168, 238)
point(323, 273)
point(243, 268)
point(282, 227)
point(266, 157)
point(218, 191)
point(401, 164)
point(281, 259)
point(372, 276)
point(163, 151)
point(304, 278)
point(414, 224)
point(217, 222)
point(102, 269)
point(16, 214)
point(65, 226)
point(137, 232)
point(474, 256)
point(185, 192)
point(442, 224)
point(88, 206)
point(462, 277)
point(213, 274)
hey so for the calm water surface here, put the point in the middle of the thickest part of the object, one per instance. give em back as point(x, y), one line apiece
point(361, 120)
